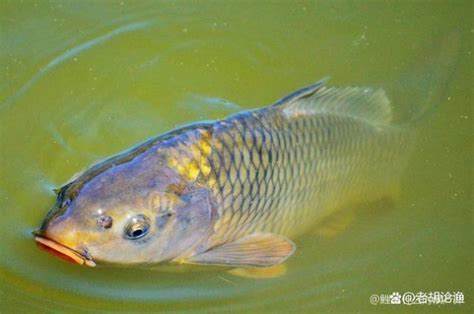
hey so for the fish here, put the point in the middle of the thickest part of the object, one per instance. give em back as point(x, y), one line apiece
point(233, 192)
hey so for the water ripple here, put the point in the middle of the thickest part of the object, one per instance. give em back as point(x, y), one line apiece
point(72, 53)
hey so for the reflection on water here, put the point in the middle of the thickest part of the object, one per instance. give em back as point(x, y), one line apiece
point(206, 107)
point(80, 82)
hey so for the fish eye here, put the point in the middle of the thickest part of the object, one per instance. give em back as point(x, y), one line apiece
point(104, 221)
point(137, 227)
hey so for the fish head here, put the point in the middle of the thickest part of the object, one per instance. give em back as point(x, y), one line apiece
point(128, 215)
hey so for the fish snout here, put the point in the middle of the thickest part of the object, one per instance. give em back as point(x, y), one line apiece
point(59, 237)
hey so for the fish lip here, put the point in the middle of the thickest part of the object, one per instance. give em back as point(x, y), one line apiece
point(74, 255)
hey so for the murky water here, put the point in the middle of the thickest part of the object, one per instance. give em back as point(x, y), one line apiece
point(82, 80)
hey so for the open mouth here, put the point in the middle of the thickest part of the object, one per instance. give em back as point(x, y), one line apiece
point(63, 252)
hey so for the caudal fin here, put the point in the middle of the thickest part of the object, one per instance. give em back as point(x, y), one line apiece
point(424, 85)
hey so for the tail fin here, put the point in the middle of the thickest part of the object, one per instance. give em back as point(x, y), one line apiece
point(425, 84)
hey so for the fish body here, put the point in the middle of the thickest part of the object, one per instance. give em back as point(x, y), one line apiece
point(280, 170)
point(234, 191)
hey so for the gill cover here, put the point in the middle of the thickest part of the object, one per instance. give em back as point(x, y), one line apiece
point(194, 217)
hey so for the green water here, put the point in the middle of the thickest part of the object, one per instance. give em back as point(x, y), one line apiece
point(81, 80)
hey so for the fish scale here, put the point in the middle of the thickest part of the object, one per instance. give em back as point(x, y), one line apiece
point(282, 172)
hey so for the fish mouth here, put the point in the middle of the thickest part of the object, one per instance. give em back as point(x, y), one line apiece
point(63, 251)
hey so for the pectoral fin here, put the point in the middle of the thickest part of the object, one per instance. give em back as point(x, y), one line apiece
point(257, 250)
point(260, 272)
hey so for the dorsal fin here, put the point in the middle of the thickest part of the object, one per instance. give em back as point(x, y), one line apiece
point(365, 103)
point(301, 93)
